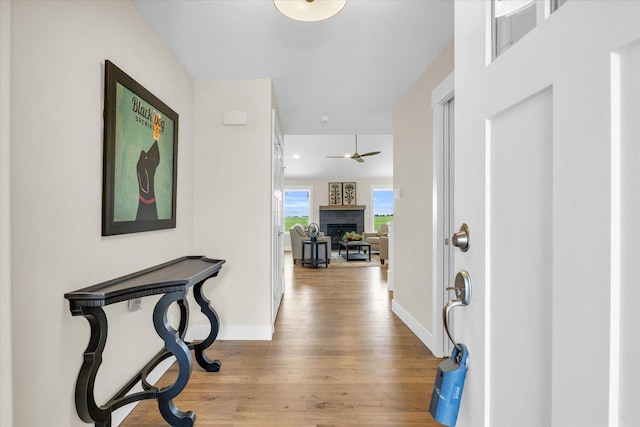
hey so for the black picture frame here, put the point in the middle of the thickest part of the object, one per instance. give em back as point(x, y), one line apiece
point(349, 193)
point(140, 157)
point(335, 193)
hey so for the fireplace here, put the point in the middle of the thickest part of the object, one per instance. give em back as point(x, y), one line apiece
point(341, 219)
point(336, 231)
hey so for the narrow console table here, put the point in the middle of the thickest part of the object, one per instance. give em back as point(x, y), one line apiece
point(172, 279)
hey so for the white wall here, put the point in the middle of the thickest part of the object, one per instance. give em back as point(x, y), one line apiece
point(6, 382)
point(413, 212)
point(57, 67)
point(232, 202)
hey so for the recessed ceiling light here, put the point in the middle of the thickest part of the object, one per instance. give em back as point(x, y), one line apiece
point(296, 156)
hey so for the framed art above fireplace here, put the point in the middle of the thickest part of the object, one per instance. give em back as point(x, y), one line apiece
point(349, 193)
point(335, 193)
point(342, 193)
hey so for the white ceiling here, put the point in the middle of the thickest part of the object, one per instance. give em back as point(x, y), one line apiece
point(353, 67)
point(311, 152)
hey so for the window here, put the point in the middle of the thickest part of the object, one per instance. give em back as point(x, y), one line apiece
point(555, 4)
point(513, 19)
point(382, 206)
point(297, 207)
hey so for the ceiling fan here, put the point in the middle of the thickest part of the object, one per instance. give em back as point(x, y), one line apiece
point(355, 156)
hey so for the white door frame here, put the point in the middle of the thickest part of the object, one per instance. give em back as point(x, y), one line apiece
point(277, 213)
point(440, 96)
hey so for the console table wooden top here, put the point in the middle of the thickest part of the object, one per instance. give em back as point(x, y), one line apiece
point(171, 276)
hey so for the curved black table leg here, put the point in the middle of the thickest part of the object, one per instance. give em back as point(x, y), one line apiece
point(206, 363)
point(184, 317)
point(174, 344)
point(86, 405)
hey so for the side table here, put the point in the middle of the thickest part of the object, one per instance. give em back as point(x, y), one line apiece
point(314, 261)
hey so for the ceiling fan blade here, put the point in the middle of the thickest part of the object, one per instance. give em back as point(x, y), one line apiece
point(371, 153)
point(355, 156)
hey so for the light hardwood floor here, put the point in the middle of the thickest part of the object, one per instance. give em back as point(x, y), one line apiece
point(339, 356)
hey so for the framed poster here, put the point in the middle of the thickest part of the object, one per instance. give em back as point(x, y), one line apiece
point(140, 157)
point(335, 193)
point(349, 193)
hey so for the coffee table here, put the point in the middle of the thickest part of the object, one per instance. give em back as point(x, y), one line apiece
point(355, 244)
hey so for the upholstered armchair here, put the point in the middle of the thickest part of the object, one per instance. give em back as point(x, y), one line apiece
point(298, 235)
point(374, 238)
point(384, 249)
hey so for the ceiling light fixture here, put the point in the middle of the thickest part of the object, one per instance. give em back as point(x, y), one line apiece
point(309, 10)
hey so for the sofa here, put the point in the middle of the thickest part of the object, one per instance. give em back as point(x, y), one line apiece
point(298, 235)
point(379, 241)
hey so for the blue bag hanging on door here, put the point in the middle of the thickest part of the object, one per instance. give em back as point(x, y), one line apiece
point(447, 390)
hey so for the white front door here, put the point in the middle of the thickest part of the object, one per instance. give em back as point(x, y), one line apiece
point(543, 178)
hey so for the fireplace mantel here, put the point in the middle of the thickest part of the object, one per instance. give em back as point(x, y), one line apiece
point(343, 208)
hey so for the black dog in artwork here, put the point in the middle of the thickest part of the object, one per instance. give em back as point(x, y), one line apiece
point(147, 164)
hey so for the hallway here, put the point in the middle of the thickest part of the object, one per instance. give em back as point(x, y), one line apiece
point(339, 357)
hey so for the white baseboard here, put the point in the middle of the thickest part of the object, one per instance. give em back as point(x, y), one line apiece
point(421, 332)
